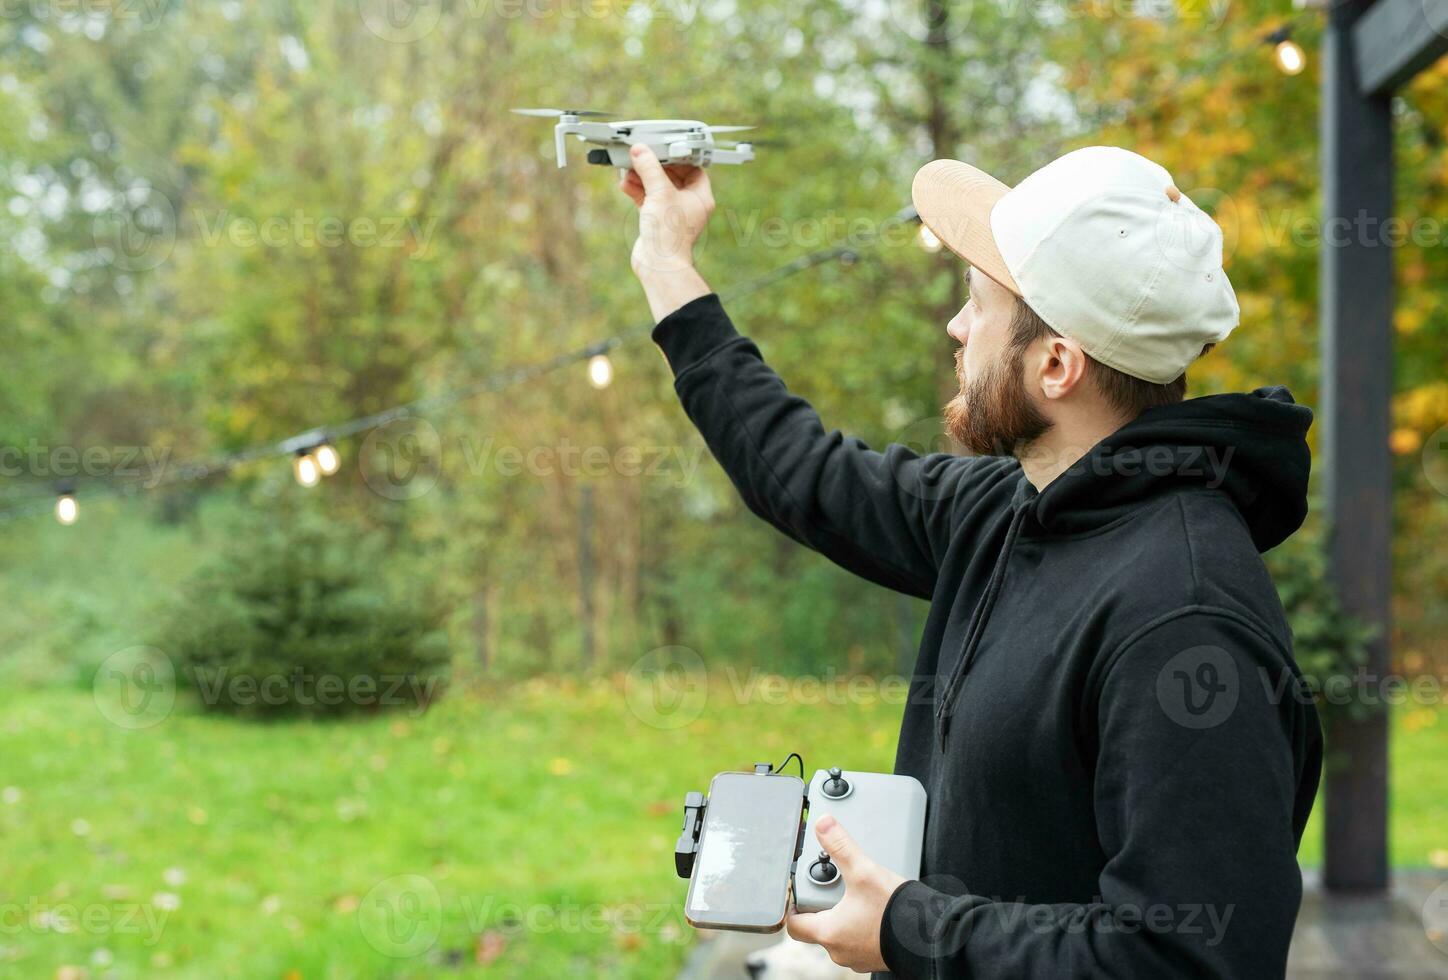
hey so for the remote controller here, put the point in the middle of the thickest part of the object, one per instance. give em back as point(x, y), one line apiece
point(885, 814)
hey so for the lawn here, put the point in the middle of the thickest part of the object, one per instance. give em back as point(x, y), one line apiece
point(514, 831)
point(532, 827)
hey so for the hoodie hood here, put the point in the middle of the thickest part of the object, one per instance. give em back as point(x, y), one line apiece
point(1252, 447)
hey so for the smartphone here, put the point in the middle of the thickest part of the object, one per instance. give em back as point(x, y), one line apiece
point(746, 846)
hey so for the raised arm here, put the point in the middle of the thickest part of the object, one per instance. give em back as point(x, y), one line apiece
point(887, 516)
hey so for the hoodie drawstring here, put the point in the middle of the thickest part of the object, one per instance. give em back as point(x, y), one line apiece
point(977, 626)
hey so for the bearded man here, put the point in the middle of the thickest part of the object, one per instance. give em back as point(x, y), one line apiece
point(1105, 711)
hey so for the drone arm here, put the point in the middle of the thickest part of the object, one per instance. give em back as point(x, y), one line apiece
point(741, 154)
point(559, 132)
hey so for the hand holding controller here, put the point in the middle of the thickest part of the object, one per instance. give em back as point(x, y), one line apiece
point(885, 814)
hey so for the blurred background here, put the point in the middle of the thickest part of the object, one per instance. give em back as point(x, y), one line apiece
point(421, 696)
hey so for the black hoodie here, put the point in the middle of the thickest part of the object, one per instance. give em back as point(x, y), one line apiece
point(1104, 711)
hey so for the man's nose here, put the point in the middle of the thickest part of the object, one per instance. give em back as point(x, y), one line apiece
point(958, 329)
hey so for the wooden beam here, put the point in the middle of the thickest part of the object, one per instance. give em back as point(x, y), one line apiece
point(1357, 382)
point(1396, 39)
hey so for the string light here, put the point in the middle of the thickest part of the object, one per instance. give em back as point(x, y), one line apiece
point(314, 449)
point(1286, 52)
point(600, 371)
point(66, 509)
point(304, 466)
point(329, 461)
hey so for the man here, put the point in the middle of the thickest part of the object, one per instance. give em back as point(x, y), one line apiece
point(1105, 711)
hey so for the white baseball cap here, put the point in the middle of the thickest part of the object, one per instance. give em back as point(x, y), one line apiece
point(1102, 244)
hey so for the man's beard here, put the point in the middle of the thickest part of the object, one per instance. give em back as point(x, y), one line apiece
point(993, 415)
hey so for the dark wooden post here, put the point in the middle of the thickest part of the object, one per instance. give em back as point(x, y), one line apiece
point(1356, 395)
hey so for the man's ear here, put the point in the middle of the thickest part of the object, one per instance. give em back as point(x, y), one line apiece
point(1061, 367)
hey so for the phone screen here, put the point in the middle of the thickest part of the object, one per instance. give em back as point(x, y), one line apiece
point(741, 871)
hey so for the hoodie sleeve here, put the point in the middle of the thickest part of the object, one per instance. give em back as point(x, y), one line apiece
point(1196, 720)
point(884, 516)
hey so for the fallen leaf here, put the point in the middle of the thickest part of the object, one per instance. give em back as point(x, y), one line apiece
point(489, 947)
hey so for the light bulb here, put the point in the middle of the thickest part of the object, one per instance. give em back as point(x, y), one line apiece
point(305, 467)
point(329, 460)
point(600, 371)
point(1290, 56)
point(66, 509)
point(928, 240)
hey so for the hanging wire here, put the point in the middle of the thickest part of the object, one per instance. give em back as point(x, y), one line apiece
point(199, 469)
point(41, 498)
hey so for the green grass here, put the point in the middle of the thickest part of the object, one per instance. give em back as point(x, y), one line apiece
point(1417, 794)
point(543, 815)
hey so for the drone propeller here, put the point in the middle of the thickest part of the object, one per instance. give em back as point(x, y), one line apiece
point(727, 129)
point(553, 113)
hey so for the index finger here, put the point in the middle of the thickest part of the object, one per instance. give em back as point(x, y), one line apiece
point(806, 926)
point(683, 174)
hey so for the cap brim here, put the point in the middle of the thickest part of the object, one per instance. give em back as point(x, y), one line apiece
point(954, 200)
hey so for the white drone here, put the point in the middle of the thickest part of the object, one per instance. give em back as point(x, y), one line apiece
point(675, 142)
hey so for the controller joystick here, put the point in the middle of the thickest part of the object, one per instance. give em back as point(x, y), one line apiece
point(837, 786)
point(824, 870)
point(885, 813)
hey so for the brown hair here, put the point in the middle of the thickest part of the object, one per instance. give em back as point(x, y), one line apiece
point(1127, 394)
